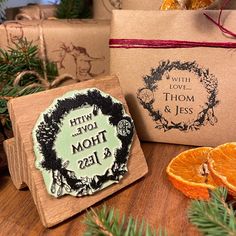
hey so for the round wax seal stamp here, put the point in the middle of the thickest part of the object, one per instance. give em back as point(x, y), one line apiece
point(82, 143)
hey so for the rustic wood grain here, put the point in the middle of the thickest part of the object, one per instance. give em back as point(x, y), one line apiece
point(21, 163)
point(152, 198)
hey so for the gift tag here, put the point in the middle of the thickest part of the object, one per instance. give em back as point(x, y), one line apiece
point(82, 143)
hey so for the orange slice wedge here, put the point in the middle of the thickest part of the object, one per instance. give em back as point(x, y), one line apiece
point(198, 4)
point(170, 5)
point(189, 173)
point(185, 4)
point(222, 165)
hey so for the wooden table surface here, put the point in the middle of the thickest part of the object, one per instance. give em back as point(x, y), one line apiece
point(152, 198)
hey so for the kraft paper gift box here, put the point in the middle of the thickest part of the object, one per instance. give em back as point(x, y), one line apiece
point(141, 5)
point(36, 12)
point(78, 47)
point(31, 12)
point(102, 9)
point(177, 71)
point(156, 4)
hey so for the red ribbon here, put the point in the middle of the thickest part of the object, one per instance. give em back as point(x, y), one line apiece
point(143, 43)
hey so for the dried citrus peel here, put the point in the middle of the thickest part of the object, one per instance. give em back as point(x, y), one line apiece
point(170, 5)
point(199, 4)
point(222, 164)
point(185, 4)
point(188, 172)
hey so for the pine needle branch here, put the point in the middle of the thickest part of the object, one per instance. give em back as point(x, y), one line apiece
point(215, 217)
point(23, 56)
point(74, 9)
point(108, 222)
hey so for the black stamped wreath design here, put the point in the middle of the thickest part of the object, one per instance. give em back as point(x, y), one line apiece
point(47, 131)
point(209, 81)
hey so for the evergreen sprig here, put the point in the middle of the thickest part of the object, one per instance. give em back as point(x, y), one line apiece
point(74, 9)
point(23, 56)
point(215, 217)
point(108, 222)
point(7, 93)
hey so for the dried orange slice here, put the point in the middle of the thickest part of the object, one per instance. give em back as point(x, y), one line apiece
point(170, 5)
point(186, 4)
point(198, 4)
point(189, 173)
point(222, 164)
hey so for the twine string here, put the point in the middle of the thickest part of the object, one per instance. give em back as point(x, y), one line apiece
point(43, 51)
point(43, 82)
point(107, 8)
point(20, 76)
point(35, 7)
point(21, 16)
point(218, 22)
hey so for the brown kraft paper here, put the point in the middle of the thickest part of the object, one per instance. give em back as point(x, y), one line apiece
point(102, 9)
point(36, 12)
point(156, 4)
point(141, 5)
point(78, 47)
point(31, 12)
point(177, 95)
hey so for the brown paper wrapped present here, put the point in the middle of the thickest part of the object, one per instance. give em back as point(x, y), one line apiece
point(177, 71)
point(36, 12)
point(141, 5)
point(31, 12)
point(102, 9)
point(79, 47)
point(156, 4)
